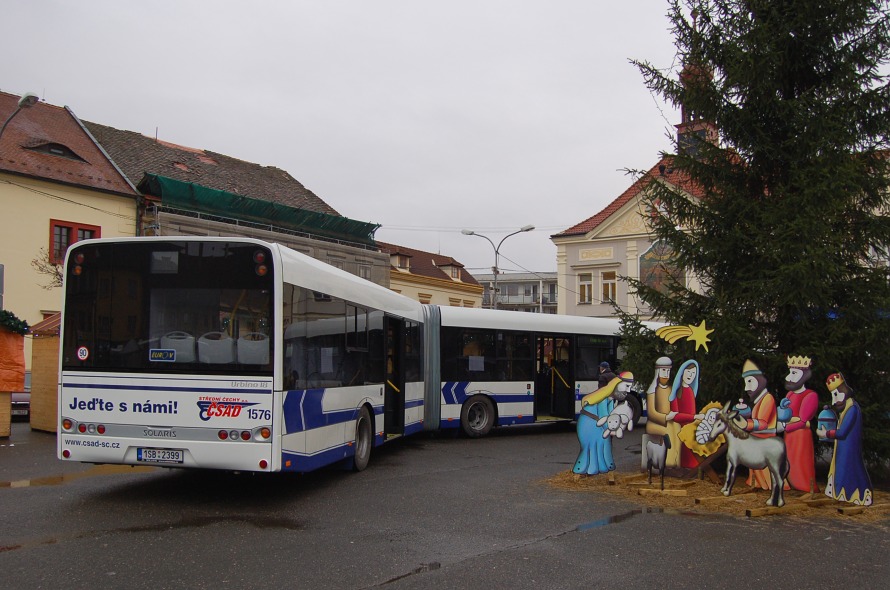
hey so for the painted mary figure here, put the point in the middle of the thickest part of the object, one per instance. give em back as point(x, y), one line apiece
point(683, 394)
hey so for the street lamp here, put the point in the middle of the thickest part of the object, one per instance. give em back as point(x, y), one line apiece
point(28, 100)
point(497, 249)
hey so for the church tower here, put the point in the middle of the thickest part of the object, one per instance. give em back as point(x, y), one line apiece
point(693, 129)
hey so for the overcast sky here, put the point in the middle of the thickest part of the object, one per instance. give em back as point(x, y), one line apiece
point(423, 116)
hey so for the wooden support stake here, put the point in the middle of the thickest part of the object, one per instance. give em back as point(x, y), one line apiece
point(851, 510)
point(824, 501)
point(644, 483)
point(634, 478)
point(854, 509)
point(611, 478)
point(765, 511)
point(657, 492)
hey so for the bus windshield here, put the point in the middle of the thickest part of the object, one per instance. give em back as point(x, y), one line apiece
point(168, 306)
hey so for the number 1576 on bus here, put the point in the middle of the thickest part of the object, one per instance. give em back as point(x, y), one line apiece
point(255, 414)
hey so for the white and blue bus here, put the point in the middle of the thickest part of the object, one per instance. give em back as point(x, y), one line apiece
point(239, 354)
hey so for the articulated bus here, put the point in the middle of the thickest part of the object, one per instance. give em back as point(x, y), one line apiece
point(244, 355)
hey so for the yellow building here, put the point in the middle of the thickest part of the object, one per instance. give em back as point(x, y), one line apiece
point(57, 186)
point(593, 255)
point(431, 278)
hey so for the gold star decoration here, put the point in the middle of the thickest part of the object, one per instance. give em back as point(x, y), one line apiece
point(700, 335)
point(697, 334)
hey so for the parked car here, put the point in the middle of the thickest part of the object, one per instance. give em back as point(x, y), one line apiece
point(21, 401)
point(21, 405)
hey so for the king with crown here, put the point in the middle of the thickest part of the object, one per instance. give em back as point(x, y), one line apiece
point(803, 404)
point(848, 480)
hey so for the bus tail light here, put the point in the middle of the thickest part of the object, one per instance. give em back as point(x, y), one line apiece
point(262, 433)
point(67, 424)
point(66, 453)
point(82, 428)
point(263, 464)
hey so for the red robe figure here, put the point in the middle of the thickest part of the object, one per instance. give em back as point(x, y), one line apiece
point(803, 404)
point(682, 399)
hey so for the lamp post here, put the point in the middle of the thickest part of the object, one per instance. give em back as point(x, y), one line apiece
point(28, 100)
point(497, 249)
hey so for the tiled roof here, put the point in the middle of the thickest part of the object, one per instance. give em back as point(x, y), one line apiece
point(138, 154)
point(428, 264)
point(42, 125)
point(671, 176)
point(48, 327)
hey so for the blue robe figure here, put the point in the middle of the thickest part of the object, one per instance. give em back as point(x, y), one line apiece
point(596, 450)
point(848, 480)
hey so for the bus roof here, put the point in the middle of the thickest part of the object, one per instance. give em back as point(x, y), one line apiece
point(305, 271)
point(537, 322)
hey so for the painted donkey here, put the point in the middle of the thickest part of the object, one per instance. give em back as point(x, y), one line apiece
point(752, 452)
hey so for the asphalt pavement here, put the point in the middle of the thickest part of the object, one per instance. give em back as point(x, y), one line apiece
point(429, 512)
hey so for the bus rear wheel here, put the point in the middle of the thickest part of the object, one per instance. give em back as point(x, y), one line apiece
point(477, 416)
point(364, 440)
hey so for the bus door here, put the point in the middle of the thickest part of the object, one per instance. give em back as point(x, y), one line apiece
point(394, 380)
point(555, 379)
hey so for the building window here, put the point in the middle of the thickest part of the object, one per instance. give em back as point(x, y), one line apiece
point(65, 233)
point(585, 288)
point(610, 284)
point(455, 272)
point(57, 149)
point(364, 271)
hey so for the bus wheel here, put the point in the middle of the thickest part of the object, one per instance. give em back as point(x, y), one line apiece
point(477, 416)
point(364, 440)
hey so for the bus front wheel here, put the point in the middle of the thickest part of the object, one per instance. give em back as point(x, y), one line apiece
point(477, 416)
point(364, 440)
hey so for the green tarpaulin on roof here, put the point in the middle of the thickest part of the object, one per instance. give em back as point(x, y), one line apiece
point(200, 199)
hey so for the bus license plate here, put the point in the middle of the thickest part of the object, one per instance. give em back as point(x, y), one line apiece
point(159, 455)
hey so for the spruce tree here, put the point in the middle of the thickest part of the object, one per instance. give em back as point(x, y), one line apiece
point(786, 106)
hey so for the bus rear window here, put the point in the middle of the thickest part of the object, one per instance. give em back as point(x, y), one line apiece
point(169, 307)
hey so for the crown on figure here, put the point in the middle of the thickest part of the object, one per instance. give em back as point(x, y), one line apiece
point(799, 362)
point(834, 381)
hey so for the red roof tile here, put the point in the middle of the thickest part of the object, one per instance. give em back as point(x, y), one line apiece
point(676, 178)
point(42, 125)
point(428, 264)
point(137, 154)
point(47, 327)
